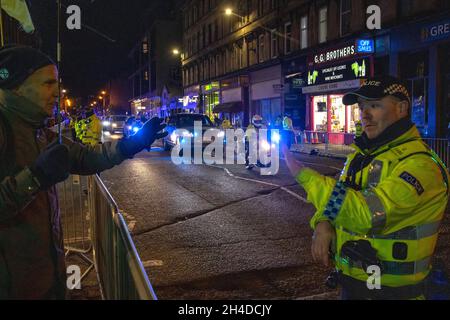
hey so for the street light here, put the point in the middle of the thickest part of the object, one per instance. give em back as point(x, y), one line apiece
point(228, 11)
point(175, 52)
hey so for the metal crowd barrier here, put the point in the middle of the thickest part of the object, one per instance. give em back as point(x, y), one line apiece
point(73, 202)
point(120, 272)
point(441, 147)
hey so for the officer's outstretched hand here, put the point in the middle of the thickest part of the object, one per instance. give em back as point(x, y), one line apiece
point(294, 166)
point(51, 166)
point(150, 131)
point(324, 235)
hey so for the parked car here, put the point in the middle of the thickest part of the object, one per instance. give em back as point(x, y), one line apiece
point(185, 121)
point(114, 124)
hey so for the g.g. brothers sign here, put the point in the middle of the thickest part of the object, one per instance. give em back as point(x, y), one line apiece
point(350, 50)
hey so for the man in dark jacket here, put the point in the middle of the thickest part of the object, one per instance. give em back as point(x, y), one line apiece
point(31, 163)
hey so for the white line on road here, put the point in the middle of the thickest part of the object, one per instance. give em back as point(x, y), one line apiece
point(292, 193)
point(261, 182)
point(152, 263)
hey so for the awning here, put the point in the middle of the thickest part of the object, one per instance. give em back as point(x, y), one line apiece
point(230, 107)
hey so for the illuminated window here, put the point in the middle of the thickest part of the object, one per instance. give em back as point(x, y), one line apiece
point(287, 37)
point(320, 113)
point(274, 43)
point(261, 48)
point(304, 32)
point(323, 25)
point(346, 15)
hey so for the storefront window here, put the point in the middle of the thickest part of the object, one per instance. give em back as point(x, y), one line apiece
point(211, 100)
point(320, 113)
point(419, 110)
point(353, 115)
point(337, 114)
point(270, 109)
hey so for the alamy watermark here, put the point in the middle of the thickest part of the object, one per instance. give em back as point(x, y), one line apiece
point(257, 146)
point(73, 277)
point(374, 280)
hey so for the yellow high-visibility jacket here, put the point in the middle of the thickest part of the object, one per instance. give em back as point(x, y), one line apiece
point(403, 197)
point(78, 129)
point(226, 124)
point(93, 130)
point(287, 123)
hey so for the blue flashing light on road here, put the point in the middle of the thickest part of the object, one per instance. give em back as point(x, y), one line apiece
point(276, 137)
point(365, 46)
point(135, 129)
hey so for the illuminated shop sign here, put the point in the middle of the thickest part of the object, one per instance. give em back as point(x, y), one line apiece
point(346, 71)
point(211, 86)
point(435, 31)
point(365, 46)
point(188, 99)
point(335, 54)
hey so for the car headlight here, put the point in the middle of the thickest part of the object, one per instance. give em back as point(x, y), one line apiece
point(114, 125)
point(106, 123)
point(187, 134)
point(265, 145)
point(276, 137)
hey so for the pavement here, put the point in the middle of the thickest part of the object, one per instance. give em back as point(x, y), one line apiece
point(323, 150)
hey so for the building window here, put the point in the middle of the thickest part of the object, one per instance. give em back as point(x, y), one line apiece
point(287, 37)
point(346, 15)
point(274, 43)
point(204, 36)
point(260, 8)
point(216, 30)
point(273, 4)
point(144, 47)
point(209, 33)
point(261, 54)
point(304, 32)
point(323, 25)
point(405, 8)
point(249, 9)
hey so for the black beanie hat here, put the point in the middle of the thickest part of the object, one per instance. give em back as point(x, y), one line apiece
point(17, 63)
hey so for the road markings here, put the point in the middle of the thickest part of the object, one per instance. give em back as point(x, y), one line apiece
point(261, 182)
point(152, 263)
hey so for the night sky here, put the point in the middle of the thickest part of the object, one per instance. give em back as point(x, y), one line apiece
point(89, 59)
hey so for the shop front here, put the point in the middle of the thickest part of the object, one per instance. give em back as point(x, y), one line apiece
point(294, 101)
point(210, 98)
point(331, 74)
point(266, 93)
point(232, 102)
point(420, 55)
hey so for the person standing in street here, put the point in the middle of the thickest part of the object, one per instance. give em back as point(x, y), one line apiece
point(381, 218)
point(33, 161)
point(93, 129)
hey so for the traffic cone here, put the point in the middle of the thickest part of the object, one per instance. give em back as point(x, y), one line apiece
point(312, 138)
point(305, 138)
point(316, 138)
